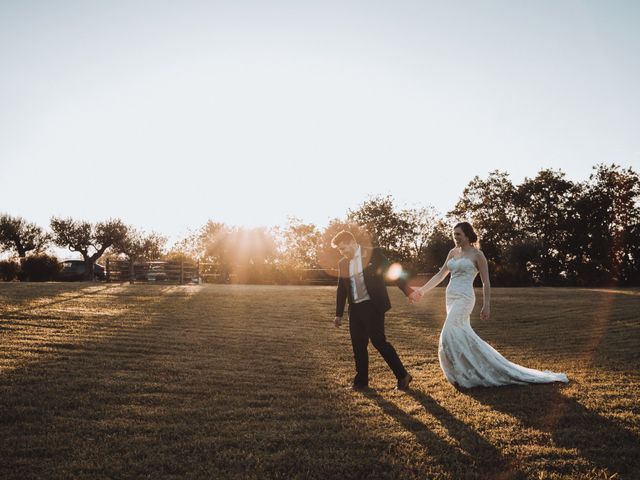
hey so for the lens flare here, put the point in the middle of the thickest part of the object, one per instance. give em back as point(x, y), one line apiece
point(394, 272)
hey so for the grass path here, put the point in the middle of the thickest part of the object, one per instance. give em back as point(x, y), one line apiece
point(149, 381)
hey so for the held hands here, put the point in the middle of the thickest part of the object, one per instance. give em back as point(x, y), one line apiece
point(337, 322)
point(416, 296)
point(485, 313)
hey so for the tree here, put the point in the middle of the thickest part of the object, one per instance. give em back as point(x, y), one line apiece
point(19, 235)
point(551, 230)
point(404, 234)
point(184, 250)
point(211, 244)
point(546, 207)
point(423, 223)
point(39, 268)
point(518, 263)
point(608, 240)
point(490, 206)
point(253, 252)
point(299, 247)
point(434, 253)
point(137, 245)
point(91, 241)
point(9, 270)
point(389, 228)
point(247, 253)
point(300, 244)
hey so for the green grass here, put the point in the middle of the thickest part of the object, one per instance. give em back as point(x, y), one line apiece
point(148, 381)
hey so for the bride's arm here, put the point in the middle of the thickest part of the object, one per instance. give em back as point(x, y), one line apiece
point(485, 313)
point(433, 282)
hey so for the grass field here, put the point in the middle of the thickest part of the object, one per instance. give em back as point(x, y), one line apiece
point(148, 381)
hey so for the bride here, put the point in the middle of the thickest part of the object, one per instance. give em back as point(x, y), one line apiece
point(467, 360)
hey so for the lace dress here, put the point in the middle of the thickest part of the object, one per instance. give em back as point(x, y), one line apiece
point(466, 359)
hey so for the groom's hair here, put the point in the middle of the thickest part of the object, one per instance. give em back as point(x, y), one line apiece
point(342, 237)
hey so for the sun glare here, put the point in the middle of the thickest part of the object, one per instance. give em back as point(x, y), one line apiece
point(394, 272)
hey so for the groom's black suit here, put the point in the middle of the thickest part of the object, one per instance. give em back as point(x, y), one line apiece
point(366, 319)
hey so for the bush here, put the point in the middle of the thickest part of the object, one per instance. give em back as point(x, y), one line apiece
point(9, 270)
point(39, 268)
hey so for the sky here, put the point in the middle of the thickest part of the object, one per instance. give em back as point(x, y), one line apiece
point(168, 114)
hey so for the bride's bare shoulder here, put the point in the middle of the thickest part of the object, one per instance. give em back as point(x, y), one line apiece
point(479, 254)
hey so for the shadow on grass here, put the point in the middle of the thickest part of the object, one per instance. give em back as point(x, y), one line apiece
point(53, 409)
point(183, 387)
point(19, 313)
point(474, 457)
point(571, 425)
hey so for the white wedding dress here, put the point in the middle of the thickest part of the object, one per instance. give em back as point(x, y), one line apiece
point(466, 359)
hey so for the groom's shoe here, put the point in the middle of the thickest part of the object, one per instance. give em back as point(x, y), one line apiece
point(358, 387)
point(403, 383)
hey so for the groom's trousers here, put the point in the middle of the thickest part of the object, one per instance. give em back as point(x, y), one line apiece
point(367, 323)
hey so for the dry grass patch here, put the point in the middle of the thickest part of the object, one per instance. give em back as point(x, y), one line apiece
point(124, 381)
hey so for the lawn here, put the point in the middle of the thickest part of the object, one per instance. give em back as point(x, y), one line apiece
point(151, 381)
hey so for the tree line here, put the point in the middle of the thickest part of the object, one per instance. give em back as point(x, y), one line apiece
point(547, 230)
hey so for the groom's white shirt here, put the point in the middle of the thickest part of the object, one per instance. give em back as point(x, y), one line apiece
point(356, 275)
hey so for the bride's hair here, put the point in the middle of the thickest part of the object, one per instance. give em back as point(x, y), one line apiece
point(468, 230)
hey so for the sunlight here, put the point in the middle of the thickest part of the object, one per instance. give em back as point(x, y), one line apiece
point(71, 317)
point(244, 247)
point(394, 272)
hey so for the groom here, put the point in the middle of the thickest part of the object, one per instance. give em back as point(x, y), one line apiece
point(361, 280)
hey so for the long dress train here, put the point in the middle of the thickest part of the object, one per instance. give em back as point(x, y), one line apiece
point(466, 359)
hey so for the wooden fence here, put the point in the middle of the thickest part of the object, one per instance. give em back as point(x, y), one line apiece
point(152, 272)
point(266, 274)
point(201, 272)
point(188, 272)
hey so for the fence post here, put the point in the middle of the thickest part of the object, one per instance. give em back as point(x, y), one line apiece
point(108, 271)
point(181, 272)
